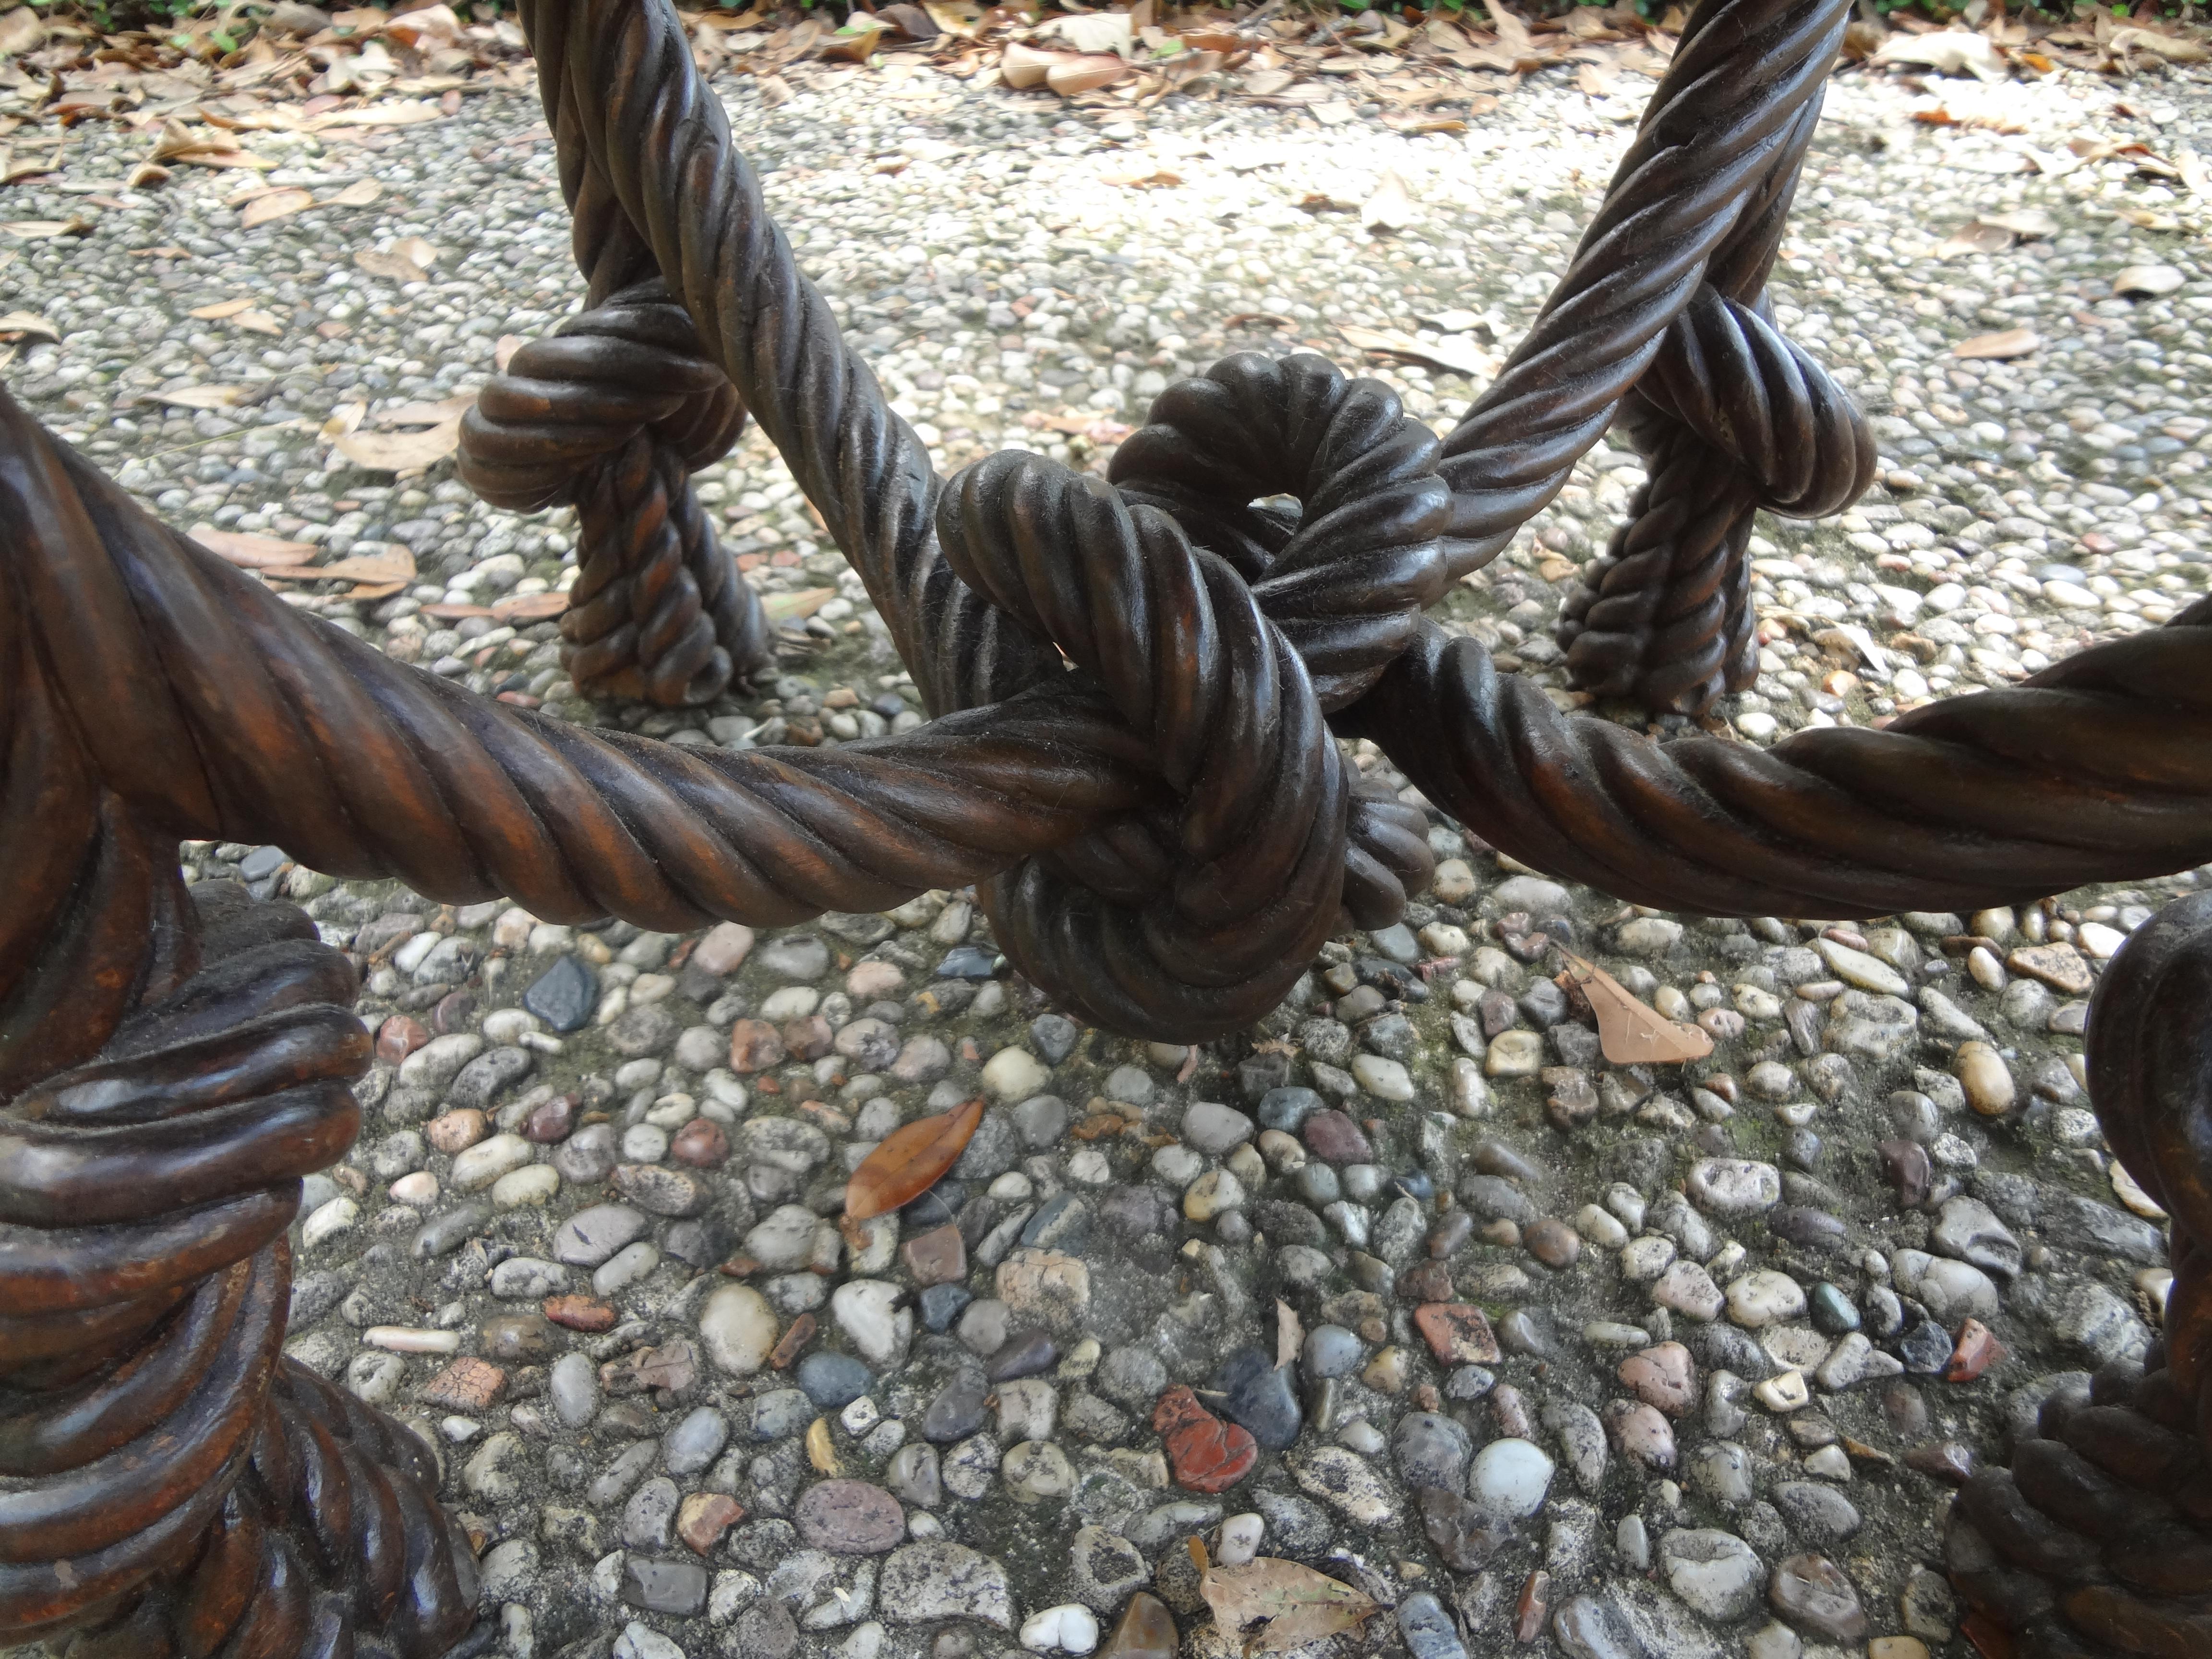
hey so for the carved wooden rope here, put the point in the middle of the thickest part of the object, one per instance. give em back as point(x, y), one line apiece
point(1162, 834)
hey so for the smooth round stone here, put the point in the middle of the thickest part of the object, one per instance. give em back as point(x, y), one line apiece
point(1015, 1075)
point(834, 1380)
point(588, 1155)
point(696, 1441)
point(1036, 1470)
point(590, 1237)
point(1069, 1628)
point(1430, 1450)
point(738, 1328)
point(418, 1191)
point(486, 1162)
point(867, 1310)
point(1715, 1572)
point(532, 1184)
point(1814, 1594)
point(625, 1267)
point(1330, 1351)
point(700, 1144)
point(642, 1143)
point(574, 1386)
point(1511, 1478)
point(1763, 1297)
point(849, 1517)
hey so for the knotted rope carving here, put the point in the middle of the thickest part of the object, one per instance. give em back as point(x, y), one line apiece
point(611, 416)
point(2096, 1542)
point(1135, 683)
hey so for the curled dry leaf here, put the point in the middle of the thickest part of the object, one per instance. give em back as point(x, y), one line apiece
point(273, 205)
point(1976, 238)
point(19, 324)
point(1390, 208)
point(2174, 48)
point(1456, 356)
point(252, 552)
point(1953, 51)
point(2024, 221)
point(791, 607)
point(360, 193)
point(1022, 67)
point(1071, 75)
point(46, 230)
point(962, 18)
point(907, 1162)
point(1093, 32)
point(2147, 281)
point(853, 45)
point(1270, 1605)
point(21, 30)
point(1629, 1033)
point(2000, 347)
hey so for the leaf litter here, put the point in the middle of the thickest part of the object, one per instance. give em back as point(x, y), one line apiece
point(1270, 1605)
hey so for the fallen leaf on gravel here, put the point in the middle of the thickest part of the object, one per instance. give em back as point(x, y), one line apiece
point(957, 17)
point(275, 204)
point(179, 143)
point(360, 193)
point(787, 607)
point(2171, 47)
point(42, 230)
point(1954, 51)
point(852, 45)
point(1976, 238)
point(1456, 321)
point(28, 322)
point(1390, 208)
point(401, 451)
point(1628, 1032)
point(145, 175)
point(2027, 221)
point(529, 607)
point(1022, 67)
point(1093, 32)
point(1157, 178)
point(21, 30)
point(396, 567)
point(257, 322)
point(2148, 280)
point(196, 397)
point(907, 1162)
point(1460, 356)
point(407, 260)
point(1270, 1606)
point(503, 353)
point(254, 552)
point(2000, 347)
point(219, 310)
point(1265, 82)
point(1289, 1333)
point(400, 114)
point(1072, 76)
point(2142, 219)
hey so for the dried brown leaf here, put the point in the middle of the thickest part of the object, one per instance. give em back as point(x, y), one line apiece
point(400, 452)
point(962, 18)
point(254, 552)
point(274, 204)
point(1628, 1032)
point(198, 397)
point(793, 607)
point(1022, 66)
point(1072, 76)
point(907, 1162)
point(46, 230)
point(397, 565)
point(2000, 346)
point(529, 607)
point(404, 113)
point(20, 323)
point(2147, 281)
point(21, 31)
point(1388, 208)
point(1289, 1335)
point(257, 322)
point(1456, 356)
point(2025, 221)
point(360, 193)
point(219, 310)
point(1976, 238)
point(1270, 1606)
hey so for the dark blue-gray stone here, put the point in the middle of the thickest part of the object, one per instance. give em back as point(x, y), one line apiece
point(262, 863)
point(484, 1078)
point(957, 1411)
point(832, 1381)
point(1428, 1629)
point(1257, 1394)
point(780, 1412)
point(1431, 1450)
point(564, 995)
point(1831, 1309)
point(967, 961)
point(442, 1233)
point(1055, 1036)
point(677, 1587)
point(1925, 1348)
point(942, 1303)
point(1059, 1224)
point(1288, 1109)
point(1023, 1353)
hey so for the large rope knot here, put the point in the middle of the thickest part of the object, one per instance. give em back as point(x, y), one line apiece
point(611, 415)
point(1261, 554)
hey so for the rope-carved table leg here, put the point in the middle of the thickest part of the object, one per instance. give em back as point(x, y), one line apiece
point(2097, 1541)
point(1137, 686)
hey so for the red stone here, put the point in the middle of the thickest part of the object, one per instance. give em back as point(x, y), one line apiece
point(1663, 1375)
point(580, 1313)
point(1979, 1349)
point(398, 1038)
point(1529, 1616)
point(1943, 1460)
point(807, 1039)
point(705, 1517)
point(1427, 1281)
point(552, 1121)
point(452, 1013)
point(700, 1144)
point(1457, 1333)
point(1206, 1453)
point(754, 1047)
point(1335, 1139)
point(793, 1343)
point(466, 1385)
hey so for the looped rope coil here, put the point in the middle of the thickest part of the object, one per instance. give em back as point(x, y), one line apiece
point(2094, 1539)
point(611, 415)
